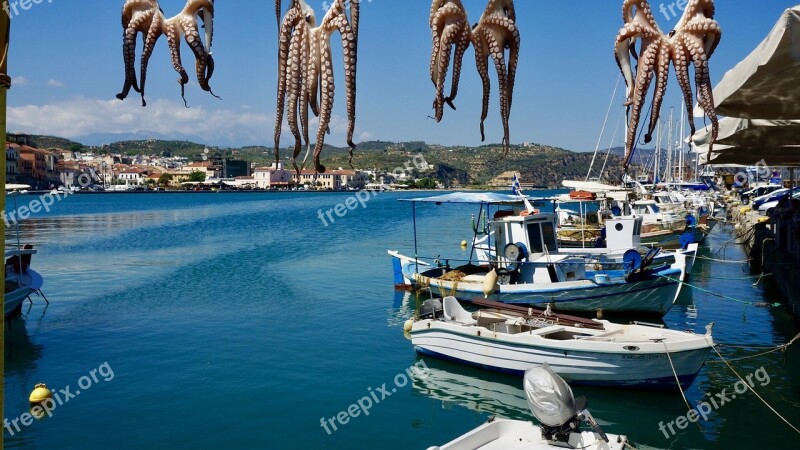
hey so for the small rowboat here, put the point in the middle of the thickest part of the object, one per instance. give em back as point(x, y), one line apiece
point(598, 353)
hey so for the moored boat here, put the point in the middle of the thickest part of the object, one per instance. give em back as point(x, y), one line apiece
point(515, 259)
point(560, 415)
point(595, 352)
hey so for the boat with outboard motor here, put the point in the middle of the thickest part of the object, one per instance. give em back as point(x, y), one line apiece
point(559, 413)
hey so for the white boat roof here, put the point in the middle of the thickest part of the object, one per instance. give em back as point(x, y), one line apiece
point(16, 187)
point(473, 198)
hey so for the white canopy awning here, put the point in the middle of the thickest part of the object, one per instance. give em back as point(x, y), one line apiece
point(766, 84)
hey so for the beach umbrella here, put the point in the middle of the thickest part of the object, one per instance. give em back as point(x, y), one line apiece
point(766, 84)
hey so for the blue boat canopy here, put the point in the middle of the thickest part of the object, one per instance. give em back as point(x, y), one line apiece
point(472, 198)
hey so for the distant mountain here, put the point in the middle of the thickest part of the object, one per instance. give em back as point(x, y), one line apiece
point(99, 139)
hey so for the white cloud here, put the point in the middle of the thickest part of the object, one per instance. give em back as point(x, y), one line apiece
point(82, 116)
point(52, 82)
point(20, 81)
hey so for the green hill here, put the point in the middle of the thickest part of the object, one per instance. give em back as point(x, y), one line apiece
point(538, 164)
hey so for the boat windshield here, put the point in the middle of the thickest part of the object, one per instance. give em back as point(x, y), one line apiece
point(535, 238)
point(542, 236)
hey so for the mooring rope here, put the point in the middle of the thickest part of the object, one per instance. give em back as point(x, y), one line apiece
point(782, 347)
point(754, 392)
point(728, 261)
point(678, 381)
point(716, 294)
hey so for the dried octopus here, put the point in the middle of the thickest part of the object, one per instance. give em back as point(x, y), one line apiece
point(147, 17)
point(305, 73)
point(495, 32)
point(693, 41)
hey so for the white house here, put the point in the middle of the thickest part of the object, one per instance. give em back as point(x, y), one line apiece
point(274, 177)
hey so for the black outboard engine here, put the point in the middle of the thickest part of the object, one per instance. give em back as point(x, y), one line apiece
point(431, 309)
point(551, 401)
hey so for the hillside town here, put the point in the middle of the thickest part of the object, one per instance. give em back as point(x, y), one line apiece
point(51, 168)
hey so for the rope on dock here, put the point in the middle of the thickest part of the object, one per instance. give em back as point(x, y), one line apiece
point(782, 347)
point(716, 294)
point(753, 391)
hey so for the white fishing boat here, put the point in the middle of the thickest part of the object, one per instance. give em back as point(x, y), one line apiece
point(515, 259)
point(560, 414)
point(593, 352)
point(20, 280)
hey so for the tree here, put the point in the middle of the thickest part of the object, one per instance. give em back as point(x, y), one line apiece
point(197, 177)
point(165, 179)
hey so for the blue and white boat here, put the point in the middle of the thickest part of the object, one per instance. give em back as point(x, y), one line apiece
point(517, 260)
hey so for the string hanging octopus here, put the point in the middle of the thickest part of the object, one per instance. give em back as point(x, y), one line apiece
point(692, 42)
point(305, 74)
point(147, 17)
point(495, 32)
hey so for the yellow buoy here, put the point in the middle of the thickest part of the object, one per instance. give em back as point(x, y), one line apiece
point(763, 219)
point(463, 244)
point(407, 325)
point(745, 209)
point(40, 394)
point(489, 283)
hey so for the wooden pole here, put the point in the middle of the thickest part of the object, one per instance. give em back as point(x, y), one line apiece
point(5, 84)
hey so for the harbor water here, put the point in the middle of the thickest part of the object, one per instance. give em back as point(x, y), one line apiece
point(269, 321)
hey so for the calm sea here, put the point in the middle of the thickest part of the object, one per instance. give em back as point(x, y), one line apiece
point(242, 321)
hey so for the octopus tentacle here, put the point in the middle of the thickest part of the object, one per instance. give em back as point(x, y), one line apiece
point(462, 45)
point(155, 32)
point(443, 62)
point(289, 22)
point(294, 87)
point(326, 102)
point(482, 64)
point(661, 71)
point(173, 36)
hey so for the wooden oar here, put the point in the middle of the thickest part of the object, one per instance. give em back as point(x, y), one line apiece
point(562, 319)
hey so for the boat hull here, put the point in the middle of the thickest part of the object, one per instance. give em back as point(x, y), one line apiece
point(607, 367)
point(28, 283)
point(654, 295)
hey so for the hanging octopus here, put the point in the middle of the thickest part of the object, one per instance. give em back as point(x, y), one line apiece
point(185, 24)
point(693, 41)
point(305, 73)
point(139, 16)
point(147, 17)
point(495, 33)
point(450, 27)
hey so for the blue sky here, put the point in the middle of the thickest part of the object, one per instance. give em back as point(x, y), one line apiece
point(66, 62)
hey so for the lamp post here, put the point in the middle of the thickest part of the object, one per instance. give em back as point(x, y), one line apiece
point(5, 84)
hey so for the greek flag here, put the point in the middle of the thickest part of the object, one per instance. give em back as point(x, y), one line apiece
point(515, 187)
